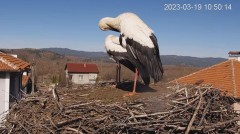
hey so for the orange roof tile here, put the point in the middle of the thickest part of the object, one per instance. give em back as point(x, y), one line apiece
point(225, 76)
point(10, 63)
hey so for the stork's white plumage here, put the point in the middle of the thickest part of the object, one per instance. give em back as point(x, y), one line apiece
point(139, 41)
point(112, 44)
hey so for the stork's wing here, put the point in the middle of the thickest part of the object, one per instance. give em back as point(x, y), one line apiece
point(141, 43)
point(147, 56)
point(121, 58)
point(131, 63)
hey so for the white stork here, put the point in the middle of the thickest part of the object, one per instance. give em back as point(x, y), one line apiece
point(120, 55)
point(139, 41)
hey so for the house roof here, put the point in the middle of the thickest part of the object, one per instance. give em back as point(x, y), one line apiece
point(225, 76)
point(234, 52)
point(10, 63)
point(81, 68)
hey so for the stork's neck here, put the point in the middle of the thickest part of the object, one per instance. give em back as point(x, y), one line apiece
point(114, 23)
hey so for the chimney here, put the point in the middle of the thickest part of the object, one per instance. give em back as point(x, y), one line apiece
point(234, 55)
point(14, 55)
point(84, 65)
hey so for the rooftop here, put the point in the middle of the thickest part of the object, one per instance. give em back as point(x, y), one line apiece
point(12, 64)
point(81, 68)
point(234, 53)
point(225, 76)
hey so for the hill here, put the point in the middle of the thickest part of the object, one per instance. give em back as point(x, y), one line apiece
point(190, 61)
point(76, 53)
point(166, 59)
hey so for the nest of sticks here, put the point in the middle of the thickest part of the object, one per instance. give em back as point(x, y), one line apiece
point(194, 109)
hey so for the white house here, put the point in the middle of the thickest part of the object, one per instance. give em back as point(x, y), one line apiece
point(81, 73)
point(12, 80)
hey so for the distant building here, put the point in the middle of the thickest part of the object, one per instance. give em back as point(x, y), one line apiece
point(81, 73)
point(225, 76)
point(13, 80)
point(234, 55)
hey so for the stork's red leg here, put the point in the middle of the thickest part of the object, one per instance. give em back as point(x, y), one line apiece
point(135, 81)
point(134, 85)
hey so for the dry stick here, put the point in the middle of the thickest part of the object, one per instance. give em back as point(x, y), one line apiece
point(23, 127)
point(78, 105)
point(218, 124)
point(186, 92)
point(132, 115)
point(178, 91)
point(211, 126)
point(205, 110)
point(120, 107)
point(50, 119)
point(178, 102)
point(63, 123)
point(197, 97)
point(184, 98)
point(194, 114)
point(155, 114)
point(56, 98)
point(74, 130)
point(11, 129)
point(51, 131)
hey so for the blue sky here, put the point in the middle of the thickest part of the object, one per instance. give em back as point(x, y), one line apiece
point(74, 24)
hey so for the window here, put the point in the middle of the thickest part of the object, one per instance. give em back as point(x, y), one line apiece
point(2, 75)
point(80, 77)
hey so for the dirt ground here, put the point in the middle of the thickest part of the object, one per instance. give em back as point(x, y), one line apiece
point(153, 95)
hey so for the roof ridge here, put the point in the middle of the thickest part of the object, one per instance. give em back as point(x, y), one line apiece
point(233, 78)
point(202, 70)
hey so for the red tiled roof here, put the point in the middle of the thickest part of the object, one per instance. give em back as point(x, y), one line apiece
point(10, 63)
point(234, 52)
point(81, 68)
point(225, 76)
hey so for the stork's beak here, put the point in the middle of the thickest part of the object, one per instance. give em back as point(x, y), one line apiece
point(114, 29)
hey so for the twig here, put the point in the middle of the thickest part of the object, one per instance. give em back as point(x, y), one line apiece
point(74, 130)
point(23, 127)
point(194, 114)
point(63, 123)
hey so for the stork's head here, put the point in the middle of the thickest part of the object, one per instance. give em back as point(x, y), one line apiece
point(113, 39)
point(109, 24)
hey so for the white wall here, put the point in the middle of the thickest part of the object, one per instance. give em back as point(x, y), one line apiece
point(87, 78)
point(92, 78)
point(235, 57)
point(4, 94)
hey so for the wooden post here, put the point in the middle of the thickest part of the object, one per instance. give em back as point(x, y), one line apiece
point(116, 73)
point(33, 78)
point(119, 72)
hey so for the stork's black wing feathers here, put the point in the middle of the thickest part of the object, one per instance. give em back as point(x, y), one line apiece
point(148, 57)
point(154, 40)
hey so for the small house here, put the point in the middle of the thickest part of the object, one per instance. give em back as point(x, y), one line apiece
point(225, 75)
point(13, 79)
point(81, 73)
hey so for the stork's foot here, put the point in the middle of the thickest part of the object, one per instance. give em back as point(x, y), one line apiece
point(129, 94)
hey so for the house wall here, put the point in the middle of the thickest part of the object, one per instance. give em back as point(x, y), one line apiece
point(4, 93)
point(83, 78)
point(92, 78)
point(235, 57)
